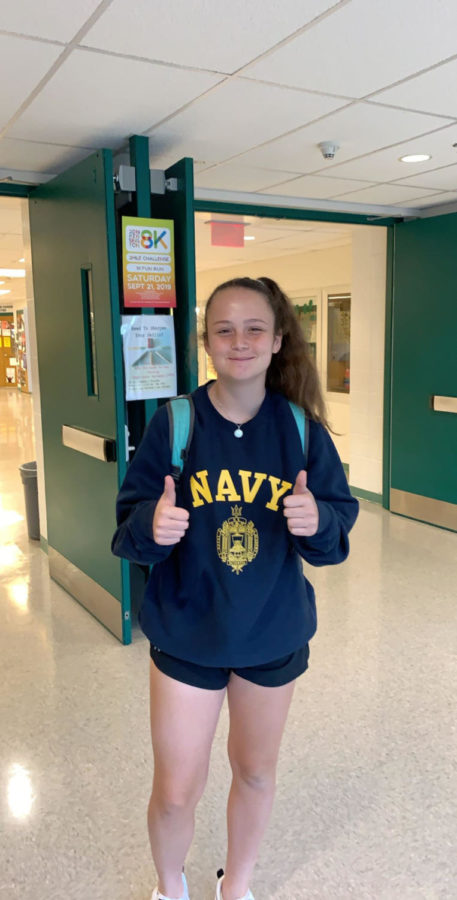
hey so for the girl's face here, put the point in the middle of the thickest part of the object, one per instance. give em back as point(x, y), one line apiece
point(240, 335)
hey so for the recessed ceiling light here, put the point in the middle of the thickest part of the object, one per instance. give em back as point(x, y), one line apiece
point(13, 273)
point(5, 292)
point(249, 237)
point(415, 157)
point(22, 259)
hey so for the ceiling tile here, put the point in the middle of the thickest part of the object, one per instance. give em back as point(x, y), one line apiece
point(158, 160)
point(232, 118)
point(385, 165)
point(385, 194)
point(53, 19)
point(358, 128)
point(316, 187)
point(34, 157)
point(95, 99)
point(23, 63)
point(218, 35)
point(232, 176)
point(363, 47)
point(444, 179)
point(434, 91)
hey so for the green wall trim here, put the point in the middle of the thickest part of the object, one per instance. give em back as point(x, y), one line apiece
point(388, 336)
point(43, 543)
point(365, 495)
point(119, 391)
point(16, 190)
point(286, 212)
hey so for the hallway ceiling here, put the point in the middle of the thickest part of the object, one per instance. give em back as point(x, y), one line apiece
point(247, 89)
point(267, 239)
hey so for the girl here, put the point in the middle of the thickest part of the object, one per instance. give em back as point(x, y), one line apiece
point(227, 608)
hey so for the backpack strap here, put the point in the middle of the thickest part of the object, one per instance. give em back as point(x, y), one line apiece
point(181, 417)
point(303, 430)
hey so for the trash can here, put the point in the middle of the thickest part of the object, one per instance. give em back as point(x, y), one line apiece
point(29, 480)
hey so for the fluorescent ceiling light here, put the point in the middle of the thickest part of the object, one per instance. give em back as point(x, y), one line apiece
point(22, 259)
point(5, 292)
point(13, 273)
point(249, 237)
point(415, 157)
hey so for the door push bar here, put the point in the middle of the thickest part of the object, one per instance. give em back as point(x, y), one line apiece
point(444, 404)
point(91, 444)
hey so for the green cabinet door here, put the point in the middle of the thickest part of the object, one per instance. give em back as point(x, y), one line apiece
point(424, 366)
point(75, 278)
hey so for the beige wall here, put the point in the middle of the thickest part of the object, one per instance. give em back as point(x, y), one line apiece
point(296, 273)
point(369, 247)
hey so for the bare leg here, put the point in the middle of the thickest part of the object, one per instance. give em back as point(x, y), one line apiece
point(257, 719)
point(183, 722)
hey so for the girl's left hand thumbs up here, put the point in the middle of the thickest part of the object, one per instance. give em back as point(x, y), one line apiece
point(300, 509)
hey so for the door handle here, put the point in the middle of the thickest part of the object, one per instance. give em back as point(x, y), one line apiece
point(91, 444)
point(444, 404)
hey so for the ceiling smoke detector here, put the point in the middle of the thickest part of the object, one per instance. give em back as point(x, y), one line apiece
point(328, 149)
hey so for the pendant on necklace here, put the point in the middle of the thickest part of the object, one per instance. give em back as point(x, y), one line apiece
point(238, 431)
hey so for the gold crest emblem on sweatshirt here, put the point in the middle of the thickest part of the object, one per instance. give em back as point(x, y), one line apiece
point(237, 541)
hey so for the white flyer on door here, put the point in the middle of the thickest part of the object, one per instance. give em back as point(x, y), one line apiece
point(149, 356)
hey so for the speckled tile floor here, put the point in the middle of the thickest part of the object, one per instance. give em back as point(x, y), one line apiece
point(367, 797)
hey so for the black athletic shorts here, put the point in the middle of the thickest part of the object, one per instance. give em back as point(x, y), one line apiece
point(214, 678)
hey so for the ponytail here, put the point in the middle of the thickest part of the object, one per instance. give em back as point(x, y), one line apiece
point(292, 371)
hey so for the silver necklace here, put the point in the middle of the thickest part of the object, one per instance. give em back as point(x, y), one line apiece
point(238, 433)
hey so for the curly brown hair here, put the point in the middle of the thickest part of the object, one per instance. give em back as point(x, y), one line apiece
point(292, 371)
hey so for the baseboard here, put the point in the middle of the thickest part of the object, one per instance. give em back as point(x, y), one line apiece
point(365, 495)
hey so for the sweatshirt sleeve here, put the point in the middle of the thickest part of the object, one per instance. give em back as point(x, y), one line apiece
point(137, 499)
point(338, 509)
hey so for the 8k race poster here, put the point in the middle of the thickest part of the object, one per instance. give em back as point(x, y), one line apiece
point(148, 262)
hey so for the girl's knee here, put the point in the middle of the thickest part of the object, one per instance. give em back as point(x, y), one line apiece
point(174, 795)
point(258, 775)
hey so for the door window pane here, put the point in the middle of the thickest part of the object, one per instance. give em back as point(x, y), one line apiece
point(307, 316)
point(338, 349)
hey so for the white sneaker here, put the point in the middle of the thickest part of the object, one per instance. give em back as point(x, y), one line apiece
point(220, 878)
point(156, 895)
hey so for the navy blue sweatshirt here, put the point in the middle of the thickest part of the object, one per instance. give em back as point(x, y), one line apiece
point(232, 592)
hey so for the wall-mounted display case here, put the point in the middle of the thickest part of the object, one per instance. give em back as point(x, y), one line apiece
point(22, 354)
point(7, 350)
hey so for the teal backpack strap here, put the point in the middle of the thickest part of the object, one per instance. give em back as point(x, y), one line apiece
point(303, 430)
point(181, 416)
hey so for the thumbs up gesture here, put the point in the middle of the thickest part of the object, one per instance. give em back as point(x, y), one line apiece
point(170, 522)
point(300, 508)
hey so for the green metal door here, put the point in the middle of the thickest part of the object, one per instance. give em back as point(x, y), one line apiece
point(424, 369)
point(72, 220)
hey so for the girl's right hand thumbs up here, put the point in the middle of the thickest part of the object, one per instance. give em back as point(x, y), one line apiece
point(170, 522)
